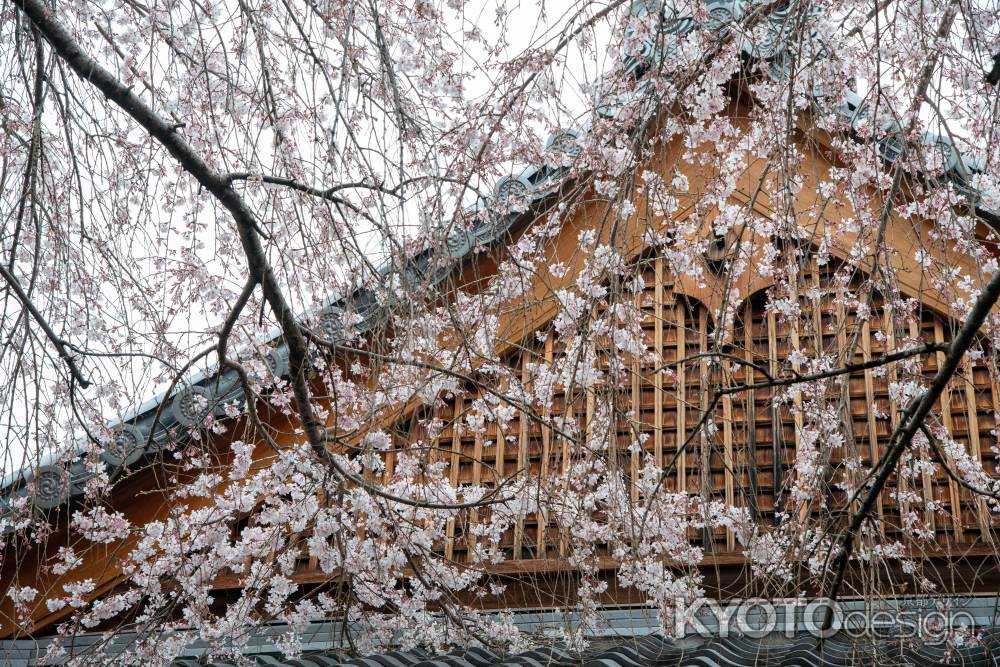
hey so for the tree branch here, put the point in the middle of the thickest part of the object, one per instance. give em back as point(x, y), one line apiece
point(61, 346)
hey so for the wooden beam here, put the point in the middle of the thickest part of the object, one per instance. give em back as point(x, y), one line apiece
point(876, 455)
point(456, 448)
point(658, 375)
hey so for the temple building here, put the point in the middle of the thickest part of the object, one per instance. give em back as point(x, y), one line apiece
point(706, 331)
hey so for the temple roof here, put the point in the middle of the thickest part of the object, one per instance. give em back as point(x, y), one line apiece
point(616, 637)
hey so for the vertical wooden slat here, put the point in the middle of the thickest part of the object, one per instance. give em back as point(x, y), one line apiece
point(477, 479)
point(847, 414)
point(866, 353)
point(570, 412)
point(390, 460)
point(590, 406)
point(321, 497)
point(681, 313)
point(500, 444)
point(889, 326)
point(636, 394)
point(797, 395)
point(727, 443)
point(543, 519)
point(816, 311)
point(522, 452)
point(500, 449)
point(705, 463)
point(435, 452)
point(456, 448)
point(994, 389)
point(751, 409)
point(928, 482)
point(956, 503)
point(658, 376)
point(971, 412)
point(777, 428)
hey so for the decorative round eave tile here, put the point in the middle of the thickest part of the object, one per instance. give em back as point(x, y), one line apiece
point(191, 405)
point(49, 487)
point(127, 447)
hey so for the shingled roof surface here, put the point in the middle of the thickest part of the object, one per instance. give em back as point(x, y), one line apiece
point(771, 651)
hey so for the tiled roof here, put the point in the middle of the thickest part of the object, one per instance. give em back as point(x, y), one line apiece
point(800, 651)
point(618, 636)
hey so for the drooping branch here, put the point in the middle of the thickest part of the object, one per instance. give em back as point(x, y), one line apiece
point(234, 314)
point(958, 479)
point(260, 269)
point(61, 347)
